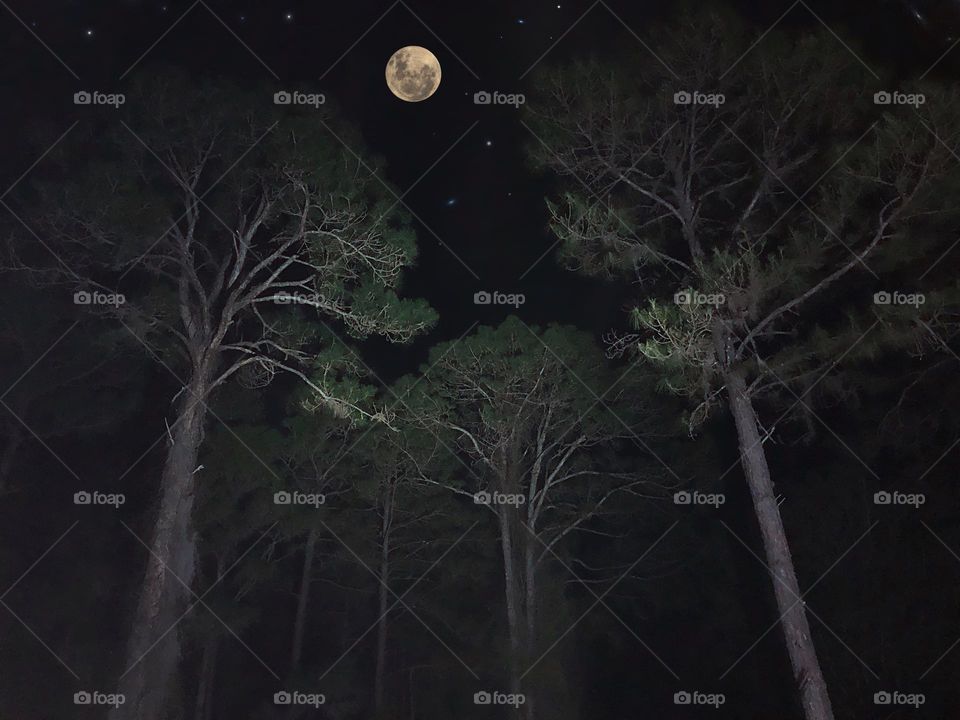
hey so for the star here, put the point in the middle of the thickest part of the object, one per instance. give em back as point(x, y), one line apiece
point(288, 17)
point(451, 202)
point(488, 143)
point(521, 21)
point(88, 32)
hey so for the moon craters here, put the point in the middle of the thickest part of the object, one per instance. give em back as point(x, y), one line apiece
point(413, 73)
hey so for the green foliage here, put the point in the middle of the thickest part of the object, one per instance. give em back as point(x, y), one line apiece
point(237, 229)
point(791, 199)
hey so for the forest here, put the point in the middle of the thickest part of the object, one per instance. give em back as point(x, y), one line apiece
point(251, 468)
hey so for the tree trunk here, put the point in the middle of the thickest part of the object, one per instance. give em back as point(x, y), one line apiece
point(378, 686)
point(516, 569)
point(300, 622)
point(530, 644)
point(512, 597)
point(153, 650)
point(208, 670)
point(793, 616)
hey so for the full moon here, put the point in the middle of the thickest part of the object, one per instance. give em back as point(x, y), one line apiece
point(413, 73)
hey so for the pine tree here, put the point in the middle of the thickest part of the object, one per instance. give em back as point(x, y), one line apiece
point(223, 222)
point(534, 444)
point(754, 194)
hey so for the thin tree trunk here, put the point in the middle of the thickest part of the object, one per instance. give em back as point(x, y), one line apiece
point(299, 623)
point(796, 629)
point(208, 670)
point(514, 542)
point(530, 581)
point(531, 605)
point(378, 689)
point(153, 650)
point(512, 596)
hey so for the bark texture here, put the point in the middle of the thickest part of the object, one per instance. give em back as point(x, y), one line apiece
point(154, 649)
point(793, 615)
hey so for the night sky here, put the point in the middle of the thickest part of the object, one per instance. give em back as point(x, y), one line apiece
point(459, 167)
point(463, 173)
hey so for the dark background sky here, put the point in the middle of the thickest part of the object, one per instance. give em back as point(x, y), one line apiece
point(479, 202)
